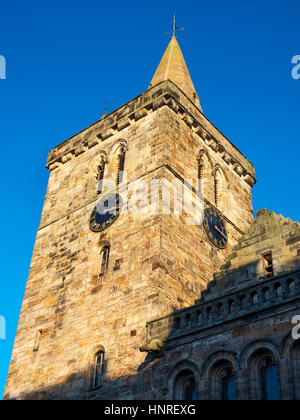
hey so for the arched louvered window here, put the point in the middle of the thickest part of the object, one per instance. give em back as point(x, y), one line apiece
point(100, 176)
point(217, 188)
point(98, 372)
point(104, 260)
point(201, 169)
point(121, 166)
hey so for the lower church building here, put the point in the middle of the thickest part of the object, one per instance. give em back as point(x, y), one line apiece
point(128, 297)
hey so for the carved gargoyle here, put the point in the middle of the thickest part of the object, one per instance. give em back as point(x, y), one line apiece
point(154, 346)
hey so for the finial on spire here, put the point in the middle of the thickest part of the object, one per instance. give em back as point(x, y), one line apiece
point(105, 110)
point(174, 27)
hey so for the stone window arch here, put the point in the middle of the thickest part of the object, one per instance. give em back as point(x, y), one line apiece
point(220, 187)
point(183, 381)
point(105, 252)
point(263, 368)
point(100, 176)
point(96, 368)
point(221, 373)
point(97, 170)
point(185, 388)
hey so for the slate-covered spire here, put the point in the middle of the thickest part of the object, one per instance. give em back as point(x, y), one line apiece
point(174, 68)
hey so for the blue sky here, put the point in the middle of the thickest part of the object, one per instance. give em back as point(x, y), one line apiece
point(65, 58)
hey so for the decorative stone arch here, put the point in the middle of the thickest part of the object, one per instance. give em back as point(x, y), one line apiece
point(256, 345)
point(215, 369)
point(253, 360)
point(90, 364)
point(102, 243)
point(117, 144)
point(119, 147)
point(220, 187)
point(100, 159)
point(184, 370)
point(230, 356)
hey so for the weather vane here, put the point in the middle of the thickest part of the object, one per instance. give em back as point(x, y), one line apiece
point(174, 27)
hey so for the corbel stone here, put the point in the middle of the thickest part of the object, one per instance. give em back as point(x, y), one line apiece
point(208, 139)
point(188, 120)
point(201, 132)
point(98, 130)
point(93, 141)
point(173, 105)
point(108, 133)
point(80, 149)
point(238, 169)
point(67, 157)
point(159, 102)
point(141, 113)
point(213, 144)
point(249, 179)
point(55, 165)
point(226, 157)
point(125, 122)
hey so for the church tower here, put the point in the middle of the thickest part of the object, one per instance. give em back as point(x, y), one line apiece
point(97, 277)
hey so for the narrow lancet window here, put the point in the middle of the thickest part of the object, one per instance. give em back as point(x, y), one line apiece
point(100, 176)
point(98, 370)
point(201, 175)
point(104, 260)
point(121, 166)
point(217, 188)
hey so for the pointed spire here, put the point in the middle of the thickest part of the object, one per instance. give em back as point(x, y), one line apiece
point(174, 68)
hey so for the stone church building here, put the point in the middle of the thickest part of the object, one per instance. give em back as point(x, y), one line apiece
point(142, 305)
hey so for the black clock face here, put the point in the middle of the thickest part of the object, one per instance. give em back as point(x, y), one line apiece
point(106, 212)
point(215, 228)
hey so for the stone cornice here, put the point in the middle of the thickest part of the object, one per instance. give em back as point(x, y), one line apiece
point(164, 94)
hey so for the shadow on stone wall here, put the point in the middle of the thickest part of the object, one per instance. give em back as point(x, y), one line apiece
point(148, 380)
point(76, 387)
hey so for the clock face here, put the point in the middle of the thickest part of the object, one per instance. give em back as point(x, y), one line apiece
point(106, 212)
point(215, 228)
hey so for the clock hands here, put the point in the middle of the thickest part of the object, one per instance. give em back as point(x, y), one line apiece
point(110, 210)
point(218, 230)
